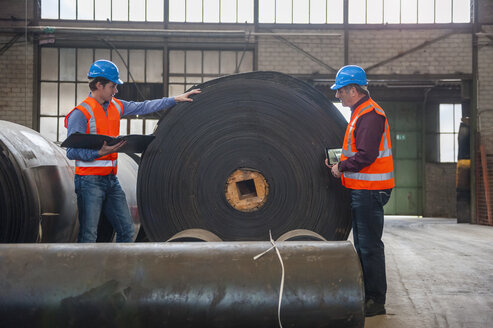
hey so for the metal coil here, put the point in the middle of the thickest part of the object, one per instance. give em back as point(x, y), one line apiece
point(245, 157)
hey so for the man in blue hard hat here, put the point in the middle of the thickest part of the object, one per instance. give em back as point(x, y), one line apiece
point(366, 168)
point(96, 185)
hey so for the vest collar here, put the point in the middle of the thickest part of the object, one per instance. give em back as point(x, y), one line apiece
point(362, 100)
point(104, 105)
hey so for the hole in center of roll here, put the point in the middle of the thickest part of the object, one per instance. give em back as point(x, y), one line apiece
point(246, 190)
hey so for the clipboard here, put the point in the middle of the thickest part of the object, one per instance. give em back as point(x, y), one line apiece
point(136, 143)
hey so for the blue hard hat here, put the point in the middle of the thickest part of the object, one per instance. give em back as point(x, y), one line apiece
point(350, 74)
point(105, 68)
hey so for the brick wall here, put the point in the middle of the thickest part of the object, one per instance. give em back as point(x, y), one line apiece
point(485, 86)
point(485, 119)
point(450, 55)
point(16, 82)
point(16, 9)
point(278, 55)
point(485, 11)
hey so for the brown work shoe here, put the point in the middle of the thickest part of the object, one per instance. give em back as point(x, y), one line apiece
point(372, 308)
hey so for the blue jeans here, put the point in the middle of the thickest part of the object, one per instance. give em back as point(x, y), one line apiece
point(367, 213)
point(102, 194)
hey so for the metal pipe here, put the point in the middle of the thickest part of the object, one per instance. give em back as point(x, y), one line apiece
point(295, 34)
point(158, 32)
point(128, 31)
point(216, 284)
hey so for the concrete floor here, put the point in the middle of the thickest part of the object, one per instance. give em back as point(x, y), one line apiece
point(439, 274)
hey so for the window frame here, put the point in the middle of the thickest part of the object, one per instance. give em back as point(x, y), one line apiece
point(256, 5)
point(204, 76)
point(456, 110)
point(127, 121)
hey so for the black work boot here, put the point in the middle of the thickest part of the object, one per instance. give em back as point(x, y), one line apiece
point(372, 308)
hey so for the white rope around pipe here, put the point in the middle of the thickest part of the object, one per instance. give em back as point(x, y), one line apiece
point(282, 274)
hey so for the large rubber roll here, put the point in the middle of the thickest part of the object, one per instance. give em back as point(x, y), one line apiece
point(216, 284)
point(37, 199)
point(245, 157)
point(37, 194)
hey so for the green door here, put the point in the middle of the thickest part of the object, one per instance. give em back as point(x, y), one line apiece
point(405, 129)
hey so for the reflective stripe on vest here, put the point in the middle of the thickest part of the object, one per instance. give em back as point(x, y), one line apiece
point(351, 128)
point(92, 119)
point(381, 153)
point(369, 176)
point(117, 105)
point(97, 163)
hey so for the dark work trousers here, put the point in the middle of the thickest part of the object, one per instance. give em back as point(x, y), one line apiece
point(367, 214)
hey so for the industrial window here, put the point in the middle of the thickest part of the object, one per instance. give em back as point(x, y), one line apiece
point(449, 122)
point(301, 11)
point(270, 11)
point(190, 67)
point(201, 11)
point(409, 11)
point(64, 84)
point(364, 11)
point(114, 10)
point(211, 11)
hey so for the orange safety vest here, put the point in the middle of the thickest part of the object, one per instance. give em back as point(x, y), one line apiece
point(379, 174)
point(99, 122)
